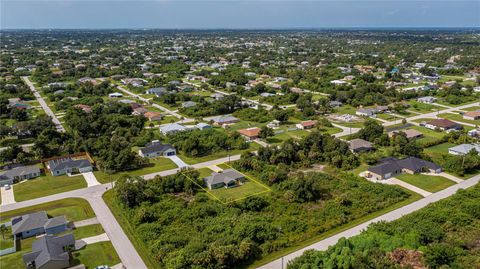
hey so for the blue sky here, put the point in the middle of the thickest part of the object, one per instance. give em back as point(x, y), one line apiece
point(198, 14)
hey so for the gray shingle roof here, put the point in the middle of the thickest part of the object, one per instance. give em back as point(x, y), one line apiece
point(155, 147)
point(64, 163)
point(29, 222)
point(225, 177)
point(20, 171)
point(49, 248)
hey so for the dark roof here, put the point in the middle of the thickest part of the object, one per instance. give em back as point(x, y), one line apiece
point(20, 171)
point(29, 222)
point(49, 248)
point(444, 123)
point(64, 163)
point(389, 165)
point(225, 177)
point(155, 146)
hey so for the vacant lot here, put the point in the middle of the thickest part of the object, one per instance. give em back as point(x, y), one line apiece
point(425, 182)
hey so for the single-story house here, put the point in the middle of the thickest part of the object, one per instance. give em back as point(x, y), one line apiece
point(115, 95)
point(366, 112)
point(359, 145)
point(409, 133)
point(140, 111)
point(172, 128)
point(472, 115)
point(335, 103)
point(474, 133)
point(391, 167)
point(217, 96)
point(156, 149)
point(67, 165)
point(50, 252)
point(203, 126)
point(157, 91)
point(85, 108)
point(223, 119)
point(443, 124)
point(464, 149)
point(188, 104)
point(37, 223)
point(228, 178)
point(426, 99)
point(309, 124)
point(266, 94)
point(18, 174)
point(250, 133)
point(153, 116)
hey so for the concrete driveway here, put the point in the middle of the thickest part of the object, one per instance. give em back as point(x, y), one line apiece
point(91, 179)
point(404, 184)
point(7, 196)
point(177, 161)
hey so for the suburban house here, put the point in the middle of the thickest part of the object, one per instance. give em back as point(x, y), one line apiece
point(390, 167)
point(360, 145)
point(203, 126)
point(172, 128)
point(366, 112)
point(217, 96)
point(155, 149)
point(472, 115)
point(153, 116)
point(250, 133)
point(222, 120)
point(85, 108)
point(409, 133)
point(474, 133)
point(426, 99)
point(18, 174)
point(69, 165)
point(50, 252)
point(335, 103)
point(464, 149)
point(37, 223)
point(228, 178)
point(443, 124)
point(309, 124)
point(157, 91)
point(115, 95)
point(139, 111)
point(188, 104)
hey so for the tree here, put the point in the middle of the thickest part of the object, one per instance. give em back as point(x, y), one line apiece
point(265, 132)
point(371, 130)
point(3, 230)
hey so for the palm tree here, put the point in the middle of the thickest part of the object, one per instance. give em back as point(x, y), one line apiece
point(3, 230)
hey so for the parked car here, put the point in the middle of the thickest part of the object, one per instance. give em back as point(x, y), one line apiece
point(7, 187)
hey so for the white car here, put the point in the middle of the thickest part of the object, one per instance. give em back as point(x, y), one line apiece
point(7, 187)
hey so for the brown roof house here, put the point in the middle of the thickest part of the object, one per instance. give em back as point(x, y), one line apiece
point(309, 124)
point(250, 133)
point(443, 124)
point(153, 116)
point(472, 115)
point(409, 133)
point(360, 145)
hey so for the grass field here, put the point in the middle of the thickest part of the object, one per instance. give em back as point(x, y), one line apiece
point(156, 165)
point(87, 231)
point(279, 138)
point(73, 208)
point(93, 255)
point(472, 108)
point(47, 185)
point(458, 117)
point(439, 149)
point(6, 239)
point(422, 107)
point(249, 188)
point(426, 182)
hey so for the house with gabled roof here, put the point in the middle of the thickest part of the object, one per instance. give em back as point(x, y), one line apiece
point(62, 166)
point(172, 128)
point(390, 167)
point(18, 174)
point(37, 223)
point(250, 133)
point(156, 149)
point(227, 179)
point(50, 252)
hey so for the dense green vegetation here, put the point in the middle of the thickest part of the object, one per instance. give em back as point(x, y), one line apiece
point(181, 226)
point(442, 235)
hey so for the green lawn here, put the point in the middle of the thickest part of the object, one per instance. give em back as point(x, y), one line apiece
point(429, 135)
point(205, 172)
point(93, 255)
point(426, 182)
point(439, 149)
point(156, 165)
point(458, 117)
point(47, 185)
point(279, 138)
point(14, 260)
point(6, 240)
point(249, 188)
point(472, 108)
point(73, 208)
point(88, 231)
point(422, 107)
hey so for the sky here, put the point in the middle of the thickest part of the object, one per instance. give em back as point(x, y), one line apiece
point(236, 14)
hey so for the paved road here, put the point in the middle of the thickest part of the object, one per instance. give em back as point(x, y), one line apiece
point(125, 250)
point(164, 109)
point(345, 130)
point(44, 105)
point(392, 215)
point(396, 181)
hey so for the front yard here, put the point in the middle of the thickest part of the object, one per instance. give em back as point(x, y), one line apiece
point(47, 185)
point(426, 182)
